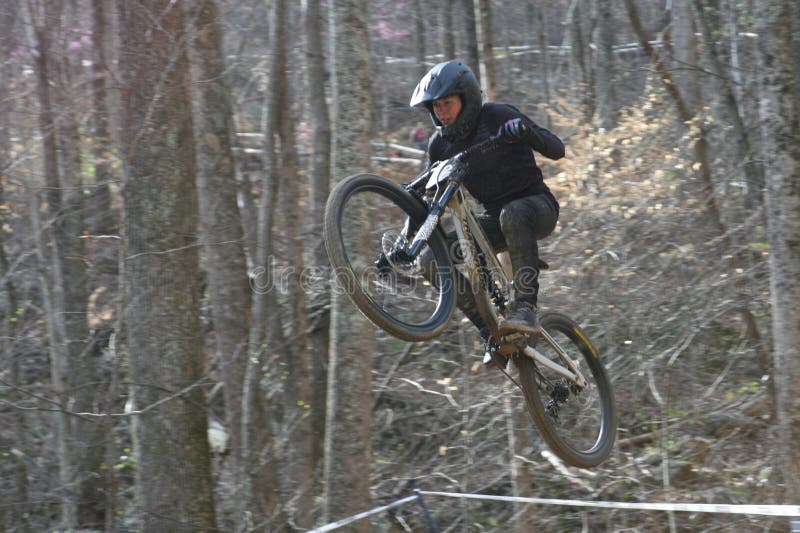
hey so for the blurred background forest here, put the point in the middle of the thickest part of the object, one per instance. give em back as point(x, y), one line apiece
point(173, 358)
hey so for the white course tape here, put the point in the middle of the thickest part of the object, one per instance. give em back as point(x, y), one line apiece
point(764, 510)
point(359, 516)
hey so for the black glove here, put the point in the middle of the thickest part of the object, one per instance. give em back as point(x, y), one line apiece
point(514, 130)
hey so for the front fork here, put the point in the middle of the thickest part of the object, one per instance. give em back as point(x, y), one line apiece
point(431, 221)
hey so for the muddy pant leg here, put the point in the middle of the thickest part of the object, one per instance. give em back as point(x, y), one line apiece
point(523, 221)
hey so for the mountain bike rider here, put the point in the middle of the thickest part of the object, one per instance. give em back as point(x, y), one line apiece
point(518, 207)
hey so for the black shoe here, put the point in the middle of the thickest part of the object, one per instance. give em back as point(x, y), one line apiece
point(521, 318)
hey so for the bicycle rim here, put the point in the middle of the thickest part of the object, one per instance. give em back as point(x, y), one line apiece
point(366, 216)
point(579, 426)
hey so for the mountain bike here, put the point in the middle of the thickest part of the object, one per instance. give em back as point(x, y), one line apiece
point(387, 246)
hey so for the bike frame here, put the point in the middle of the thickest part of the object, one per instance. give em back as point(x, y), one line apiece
point(455, 200)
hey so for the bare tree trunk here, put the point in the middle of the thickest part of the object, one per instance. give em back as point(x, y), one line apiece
point(795, 43)
point(69, 508)
point(319, 294)
point(297, 406)
point(483, 23)
point(260, 494)
point(517, 424)
point(111, 477)
point(753, 169)
point(44, 19)
point(579, 64)
point(298, 384)
point(20, 508)
point(542, 32)
point(225, 262)
point(605, 98)
point(447, 43)
point(162, 271)
point(348, 431)
point(472, 58)
point(735, 63)
point(100, 218)
point(419, 24)
point(685, 53)
point(248, 213)
point(779, 112)
point(70, 245)
point(40, 16)
point(685, 115)
point(9, 300)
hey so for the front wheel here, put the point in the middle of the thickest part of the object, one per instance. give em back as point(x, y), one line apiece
point(369, 219)
point(578, 423)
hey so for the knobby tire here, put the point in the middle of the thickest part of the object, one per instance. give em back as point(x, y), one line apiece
point(348, 279)
point(578, 346)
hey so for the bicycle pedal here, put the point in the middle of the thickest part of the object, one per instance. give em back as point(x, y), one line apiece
point(518, 338)
point(494, 360)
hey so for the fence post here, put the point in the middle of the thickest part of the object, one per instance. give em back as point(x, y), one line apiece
point(425, 513)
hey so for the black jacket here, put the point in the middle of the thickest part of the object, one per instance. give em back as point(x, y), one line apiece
point(510, 172)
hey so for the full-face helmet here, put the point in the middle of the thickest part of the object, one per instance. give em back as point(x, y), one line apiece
point(445, 79)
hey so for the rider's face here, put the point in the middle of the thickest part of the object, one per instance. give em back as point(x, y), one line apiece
point(447, 109)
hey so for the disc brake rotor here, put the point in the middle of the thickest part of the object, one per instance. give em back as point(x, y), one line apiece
point(393, 246)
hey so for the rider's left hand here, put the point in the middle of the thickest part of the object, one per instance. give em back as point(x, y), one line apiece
point(514, 130)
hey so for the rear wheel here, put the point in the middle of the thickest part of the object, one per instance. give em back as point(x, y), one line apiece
point(367, 216)
point(578, 424)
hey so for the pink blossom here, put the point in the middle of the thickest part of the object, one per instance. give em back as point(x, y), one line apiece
point(389, 33)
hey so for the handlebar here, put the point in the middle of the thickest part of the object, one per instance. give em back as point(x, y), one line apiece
point(482, 146)
point(421, 179)
point(437, 208)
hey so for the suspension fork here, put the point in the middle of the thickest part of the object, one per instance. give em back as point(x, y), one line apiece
point(431, 221)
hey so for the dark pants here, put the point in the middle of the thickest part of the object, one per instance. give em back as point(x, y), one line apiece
point(515, 227)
